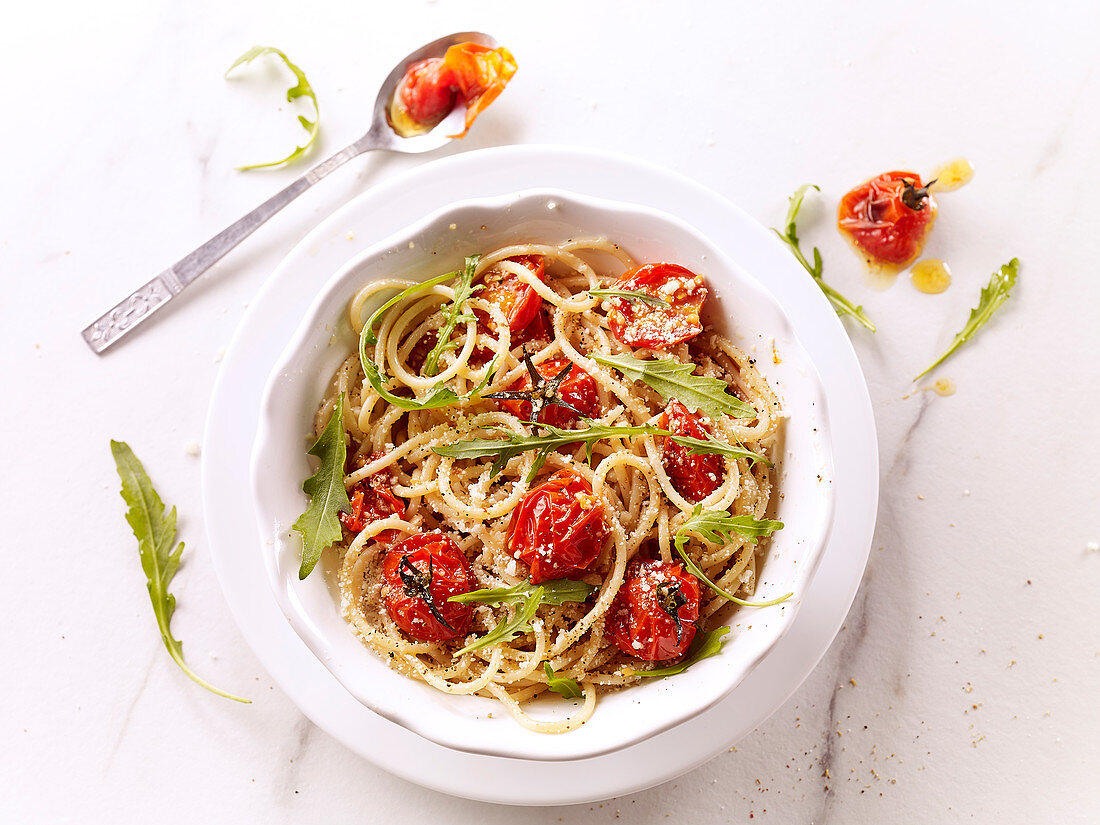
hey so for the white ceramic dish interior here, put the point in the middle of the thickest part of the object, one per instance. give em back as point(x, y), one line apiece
point(740, 308)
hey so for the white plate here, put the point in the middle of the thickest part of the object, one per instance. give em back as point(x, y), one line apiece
point(270, 323)
point(739, 308)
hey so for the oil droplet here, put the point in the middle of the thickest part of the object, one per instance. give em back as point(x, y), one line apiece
point(953, 174)
point(944, 387)
point(931, 276)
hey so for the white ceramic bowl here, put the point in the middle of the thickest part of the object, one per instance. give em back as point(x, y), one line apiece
point(739, 307)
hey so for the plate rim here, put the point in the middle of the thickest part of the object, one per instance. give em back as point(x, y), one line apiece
point(499, 170)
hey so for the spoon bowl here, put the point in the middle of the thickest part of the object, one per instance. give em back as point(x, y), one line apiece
point(382, 135)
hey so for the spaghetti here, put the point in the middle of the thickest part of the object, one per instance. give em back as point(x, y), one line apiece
point(429, 524)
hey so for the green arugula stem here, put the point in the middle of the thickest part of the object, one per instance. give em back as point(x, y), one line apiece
point(301, 89)
point(841, 305)
point(701, 576)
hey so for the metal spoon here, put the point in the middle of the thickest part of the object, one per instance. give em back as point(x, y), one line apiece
point(124, 317)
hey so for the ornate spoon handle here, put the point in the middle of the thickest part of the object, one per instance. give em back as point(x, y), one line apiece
point(133, 310)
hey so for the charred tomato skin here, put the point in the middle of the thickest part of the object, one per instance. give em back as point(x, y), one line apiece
point(642, 621)
point(694, 476)
point(373, 499)
point(638, 324)
point(579, 389)
point(880, 225)
point(558, 527)
point(449, 574)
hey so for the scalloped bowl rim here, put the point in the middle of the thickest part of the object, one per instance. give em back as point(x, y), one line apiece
point(415, 708)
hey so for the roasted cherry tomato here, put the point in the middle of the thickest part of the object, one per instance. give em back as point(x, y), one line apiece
point(694, 476)
point(425, 94)
point(888, 217)
point(539, 331)
point(578, 389)
point(373, 499)
point(517, 300)
point(430, 88)
point(654, 613)
point(638, 324)
point(557, 528)
point(419, 575)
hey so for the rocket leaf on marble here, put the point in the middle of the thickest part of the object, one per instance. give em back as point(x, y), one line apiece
point(301, 89)
point(156, 535)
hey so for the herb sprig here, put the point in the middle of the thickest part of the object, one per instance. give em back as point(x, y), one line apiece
point(562, 685)
point(631, 295)
point(993, 294)
point(675, 380)
point(301, 89)
point(453, 315)
point(320, 523)
point(703, 646)
point(790, 237)
point(717, 527)
point(503, 450)
point(156, 534)
point(528, 598)
point(367, 336)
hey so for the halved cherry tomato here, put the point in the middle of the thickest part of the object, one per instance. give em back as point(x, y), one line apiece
point(557, 528)
point(579, 389)
point(517, 300)
point(880, 224)
point(419, 575)
point(638, 324)
point(373, 499)
point(430, 88)
point(694, 476)
point(654, 613)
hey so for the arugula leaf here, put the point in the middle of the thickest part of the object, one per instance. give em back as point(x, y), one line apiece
point(452, 314)
point(505, 449)
point(528, 598)
point(712, 446)
point(703, 646)
point(367, 336)
point(302, 89)
point(556, 591)
point(675, 380)
point(995, 293)
point(562, 685)
point(156, 533)
point(506, 631)
point(631, 295)
point(717, 527)
point(320, 523)
point(841, 304)
point(439, 395)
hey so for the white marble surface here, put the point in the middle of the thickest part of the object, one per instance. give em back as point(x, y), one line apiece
point(963, 685)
